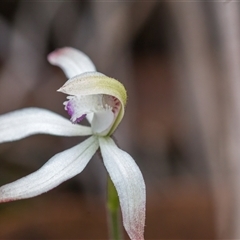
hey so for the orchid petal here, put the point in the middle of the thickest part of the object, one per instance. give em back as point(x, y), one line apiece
point(58, 169)
point(97, 83)
point(72, 61)
point(129, 184)
point(22, 123)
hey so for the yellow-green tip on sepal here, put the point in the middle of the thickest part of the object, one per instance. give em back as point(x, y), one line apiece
point(97, 83)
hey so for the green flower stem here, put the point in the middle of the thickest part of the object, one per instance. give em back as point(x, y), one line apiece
point(115, 227)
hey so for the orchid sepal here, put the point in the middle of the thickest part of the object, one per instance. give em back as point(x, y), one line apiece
point(22, 123)
point(72, 61)
point(59, 168)
point(129, 183)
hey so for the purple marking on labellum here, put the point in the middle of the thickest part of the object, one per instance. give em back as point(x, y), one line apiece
point(69, 108)
point(80, 118)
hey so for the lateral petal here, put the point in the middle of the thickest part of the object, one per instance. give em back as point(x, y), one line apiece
point(25, 122)
point(129, 184)
point(72, 61)
point(58, 169)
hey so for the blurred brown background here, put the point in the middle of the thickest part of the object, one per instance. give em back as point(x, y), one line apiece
point(180, 62)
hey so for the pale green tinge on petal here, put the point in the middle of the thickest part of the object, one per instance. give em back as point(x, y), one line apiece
point(72, 61)
point(97, 83)
point(129, 184)
point(58, 169)
point(25, 122)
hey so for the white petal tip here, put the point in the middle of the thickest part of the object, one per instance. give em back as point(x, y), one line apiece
point(72, 61)
point(50, 58)
point(5, 195)
point(7, 200)
point(53, 56)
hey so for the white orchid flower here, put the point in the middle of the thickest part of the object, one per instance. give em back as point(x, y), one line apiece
point(102, 101)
